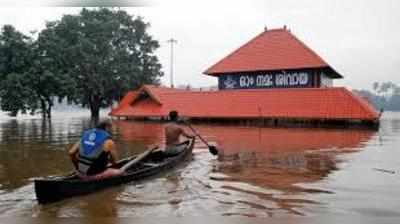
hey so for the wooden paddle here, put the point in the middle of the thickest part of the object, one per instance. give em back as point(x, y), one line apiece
point(138, 158)
point(211, 148)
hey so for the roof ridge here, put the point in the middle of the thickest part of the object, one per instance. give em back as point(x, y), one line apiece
point(313, 52)
point(275, 29)
point(233, 52)
point(308, 49)
point(269, 51)
point(126, 100)
point(152, 95)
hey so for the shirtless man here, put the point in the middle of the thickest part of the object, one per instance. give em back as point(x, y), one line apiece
point(173, 131)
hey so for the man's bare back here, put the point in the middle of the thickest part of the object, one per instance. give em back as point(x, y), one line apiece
point(172, 133)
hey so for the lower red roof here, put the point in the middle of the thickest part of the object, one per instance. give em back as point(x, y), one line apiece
point(309, 103)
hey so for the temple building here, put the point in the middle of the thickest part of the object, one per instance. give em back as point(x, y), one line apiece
point(274, 78)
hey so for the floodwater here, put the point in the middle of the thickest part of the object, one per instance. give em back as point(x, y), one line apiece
point(261, 172)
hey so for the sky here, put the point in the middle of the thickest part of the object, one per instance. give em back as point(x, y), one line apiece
point(360, 39)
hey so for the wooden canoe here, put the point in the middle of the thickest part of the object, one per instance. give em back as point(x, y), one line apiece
point(52, 189)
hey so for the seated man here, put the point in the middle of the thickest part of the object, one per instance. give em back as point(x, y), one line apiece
point(92, 154)
point(173, 131)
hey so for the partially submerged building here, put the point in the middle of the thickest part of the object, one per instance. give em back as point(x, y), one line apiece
point(273, 79)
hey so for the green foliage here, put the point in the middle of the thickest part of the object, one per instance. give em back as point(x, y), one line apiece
point(92, 58)
point(45, 80)
point(15, 55)
point(105, 52)
point(14, 51)
point(28, 81)
point(15, 96)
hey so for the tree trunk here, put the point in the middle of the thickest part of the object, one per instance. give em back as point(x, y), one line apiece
point(13, 113)
point(43, 107)
point(95, 112)
point(49, 111)
point(95, 107)
point(49, 106)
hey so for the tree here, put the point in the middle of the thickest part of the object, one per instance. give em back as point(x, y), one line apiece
point(394, 100)
point(375, 86)
point(14, 51)
point(105, 52)
point(45, 80)
point(15, 96)
point(29, 81)
point(14, 62)
point(386, 95)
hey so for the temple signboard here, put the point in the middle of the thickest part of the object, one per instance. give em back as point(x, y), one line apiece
point(265, 80)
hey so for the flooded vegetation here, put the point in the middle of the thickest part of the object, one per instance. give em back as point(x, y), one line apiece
point(260, 172)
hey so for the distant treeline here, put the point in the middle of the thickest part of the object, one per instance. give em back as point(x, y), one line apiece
point(385, 95)
point(90, 59)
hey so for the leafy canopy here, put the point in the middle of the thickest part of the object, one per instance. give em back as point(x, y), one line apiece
point(105, 52)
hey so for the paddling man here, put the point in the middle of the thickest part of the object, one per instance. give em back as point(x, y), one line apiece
point(94, 152)
point(173, 131)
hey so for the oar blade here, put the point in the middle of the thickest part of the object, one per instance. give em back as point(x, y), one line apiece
point(213, 150)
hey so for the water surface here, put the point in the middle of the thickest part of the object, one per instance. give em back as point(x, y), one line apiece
point(261, 171)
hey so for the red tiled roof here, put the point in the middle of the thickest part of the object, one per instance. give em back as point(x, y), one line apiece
point(272, 50)
point(126, 100)
point(152, 90)
point(308, 103)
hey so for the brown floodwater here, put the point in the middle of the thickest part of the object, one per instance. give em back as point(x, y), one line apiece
point(260, 172)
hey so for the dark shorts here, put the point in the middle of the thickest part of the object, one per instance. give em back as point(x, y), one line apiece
point(173, 150)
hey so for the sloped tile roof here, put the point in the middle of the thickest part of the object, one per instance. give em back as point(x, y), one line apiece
point(276, 49)
point(305, 103)
point(126, 100)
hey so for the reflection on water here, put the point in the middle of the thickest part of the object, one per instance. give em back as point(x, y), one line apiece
point(260, 172)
